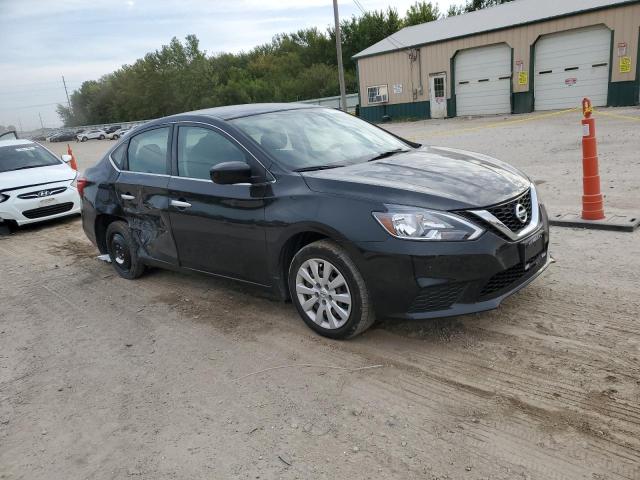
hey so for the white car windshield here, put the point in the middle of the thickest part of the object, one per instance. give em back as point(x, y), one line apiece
point(19, 157)
point(318, 137)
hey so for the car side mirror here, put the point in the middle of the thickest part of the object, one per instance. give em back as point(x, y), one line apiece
point(66, 158)
point(228, 173)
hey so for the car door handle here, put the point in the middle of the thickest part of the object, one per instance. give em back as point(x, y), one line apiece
point(180, 204)
point(127, 196)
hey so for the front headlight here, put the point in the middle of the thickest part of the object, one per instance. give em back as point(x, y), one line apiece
point(412, 223)
point(3, 197)
point(74, 182)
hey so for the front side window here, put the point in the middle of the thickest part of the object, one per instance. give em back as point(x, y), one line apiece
point(304, 138)
point(22, 157)
point(378, 94)
point(148, 151)
point(199, 149)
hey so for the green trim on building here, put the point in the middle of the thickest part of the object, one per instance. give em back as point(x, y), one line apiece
point(451, 102)
point(397, 111)
point(622, 94)
point(522, 102)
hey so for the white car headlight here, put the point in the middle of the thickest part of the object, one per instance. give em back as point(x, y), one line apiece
point(413, 223)
point(3, 197)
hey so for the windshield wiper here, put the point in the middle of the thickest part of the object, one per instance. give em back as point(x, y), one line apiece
point(388, 154)
point(317, 167)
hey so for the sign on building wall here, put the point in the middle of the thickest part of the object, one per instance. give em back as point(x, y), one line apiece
point(523, 78)
point(625, 64)
point(397, 89)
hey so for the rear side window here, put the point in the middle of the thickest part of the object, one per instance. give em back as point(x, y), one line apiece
point(119, 154)
point(147, 151)
point(199, 149)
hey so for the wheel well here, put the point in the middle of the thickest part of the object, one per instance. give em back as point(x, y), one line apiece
point(102, 223)
point(290, 248)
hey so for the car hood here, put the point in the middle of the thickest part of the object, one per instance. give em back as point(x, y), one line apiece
point(36, 176)
point(434, 177)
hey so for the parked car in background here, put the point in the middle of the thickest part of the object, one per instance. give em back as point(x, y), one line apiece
point(63, 136)
point(35, 185)
point(111, 128)
point(347, 220)
point(52, 134)
point(91, 134)
point(115, 135)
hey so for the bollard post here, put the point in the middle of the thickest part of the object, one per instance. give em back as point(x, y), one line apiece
point(592, 202)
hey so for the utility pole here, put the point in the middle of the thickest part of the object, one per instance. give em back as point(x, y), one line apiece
point(343, 96)
point(67, 93)
point(41, 123)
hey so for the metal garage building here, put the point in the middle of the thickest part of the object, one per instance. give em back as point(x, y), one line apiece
point(514, 58)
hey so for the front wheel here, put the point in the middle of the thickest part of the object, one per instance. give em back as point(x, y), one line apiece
point(329, 291)
point(84, 139)
point(115, 137)
point(122, 251)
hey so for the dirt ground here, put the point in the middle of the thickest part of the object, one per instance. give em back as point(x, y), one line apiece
point(104, 378)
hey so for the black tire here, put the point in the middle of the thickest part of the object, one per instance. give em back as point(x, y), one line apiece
point(101, 137)
point(361, 315)
point(115, 137)
point(84, 139)
point(122, 251)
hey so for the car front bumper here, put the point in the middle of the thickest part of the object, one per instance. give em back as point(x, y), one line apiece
point(421, 280)
point(32, 210)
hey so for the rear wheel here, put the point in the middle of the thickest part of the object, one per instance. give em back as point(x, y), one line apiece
point(101, 137)
point(122, 251)
point(84, 139)
point(329, 292)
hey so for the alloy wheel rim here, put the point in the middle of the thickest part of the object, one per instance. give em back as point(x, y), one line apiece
point(323, 293)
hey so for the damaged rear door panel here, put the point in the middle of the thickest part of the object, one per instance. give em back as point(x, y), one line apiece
point(142, 191)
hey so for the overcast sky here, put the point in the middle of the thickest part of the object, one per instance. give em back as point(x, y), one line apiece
point(41, 40)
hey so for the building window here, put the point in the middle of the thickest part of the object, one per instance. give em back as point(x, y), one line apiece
point(378, 94)
point(438, 87)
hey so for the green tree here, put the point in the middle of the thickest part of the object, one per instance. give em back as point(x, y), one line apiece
point(421, 12)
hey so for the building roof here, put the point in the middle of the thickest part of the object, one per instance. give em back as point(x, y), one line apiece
point(518, 12)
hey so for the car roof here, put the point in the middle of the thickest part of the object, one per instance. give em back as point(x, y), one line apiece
point(230, 112)
point(13, 142)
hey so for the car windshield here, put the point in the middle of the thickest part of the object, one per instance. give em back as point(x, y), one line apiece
point(19, 157)
point(318, 138)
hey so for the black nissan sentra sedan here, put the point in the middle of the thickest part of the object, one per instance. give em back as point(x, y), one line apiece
point(348, 221)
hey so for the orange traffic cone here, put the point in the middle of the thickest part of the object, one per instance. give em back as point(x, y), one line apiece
point(73, 162)
point(592, 201)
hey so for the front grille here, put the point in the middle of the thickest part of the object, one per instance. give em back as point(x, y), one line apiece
point(43, 193)
point(506, 212)
point(48, 211)
point(438, 297)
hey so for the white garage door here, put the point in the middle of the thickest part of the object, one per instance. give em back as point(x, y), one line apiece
point(570, 66)
point(483, 80)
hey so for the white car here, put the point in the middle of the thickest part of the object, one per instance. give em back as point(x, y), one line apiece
point(35, 185)
point(118, 133)
point(91, 134)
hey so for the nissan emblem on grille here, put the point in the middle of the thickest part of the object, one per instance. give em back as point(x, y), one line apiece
point(521, 213)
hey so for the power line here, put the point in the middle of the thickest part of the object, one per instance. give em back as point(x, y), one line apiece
point(396, 43)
